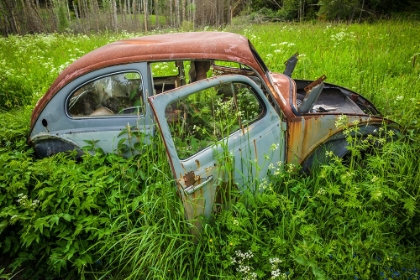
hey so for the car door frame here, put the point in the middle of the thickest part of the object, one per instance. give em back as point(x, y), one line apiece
point(199, 177)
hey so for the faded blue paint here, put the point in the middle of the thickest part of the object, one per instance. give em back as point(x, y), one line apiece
point(248, 151)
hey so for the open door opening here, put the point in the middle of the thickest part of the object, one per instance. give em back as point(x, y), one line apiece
point(218, 135)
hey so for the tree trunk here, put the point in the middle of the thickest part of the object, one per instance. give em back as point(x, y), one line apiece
point(76, 14)
point(94, 9)
point(7, 10)
point(183, 11)
point(193, 10)
point(361, 10)
point(145, 10)
point(114, 15)
point(157, 14)
point(178, 14)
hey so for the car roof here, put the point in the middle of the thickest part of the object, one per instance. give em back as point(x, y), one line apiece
point(163, 47)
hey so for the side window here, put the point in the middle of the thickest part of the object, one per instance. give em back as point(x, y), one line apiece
point(207, 116)
point(167, 75)
point(119, 94)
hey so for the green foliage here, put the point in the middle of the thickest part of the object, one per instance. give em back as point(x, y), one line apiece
point(55, 209)
point(31, 63)
point(330, 10)
point(13, 130)
point(339, 10)
point(347, 221)
point(367, 58)
point(63, 21)
point(157, 243)
point(12, 92)
point(187, 26)
point(207, 116)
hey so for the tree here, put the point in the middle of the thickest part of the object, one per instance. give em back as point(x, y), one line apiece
point(20, 17)
point(146, 14)
point(114, 15)
point(339, 9)
point(156, 10)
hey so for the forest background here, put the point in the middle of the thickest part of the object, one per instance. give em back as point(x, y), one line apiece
point(85, 16)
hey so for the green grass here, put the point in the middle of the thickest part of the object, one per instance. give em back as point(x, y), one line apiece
point(88, 219)
point(378, 60)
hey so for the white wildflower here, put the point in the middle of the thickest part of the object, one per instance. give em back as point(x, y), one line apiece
point(321, 191)
point(275, 260)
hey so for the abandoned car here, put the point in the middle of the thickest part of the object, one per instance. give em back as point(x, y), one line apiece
point(213, 100)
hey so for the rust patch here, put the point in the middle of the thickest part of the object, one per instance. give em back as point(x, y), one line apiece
point(354, 97)
point(209, 170)
point(309, 87)
point(197, 180)
point(255, 149)
point(305, 134)
point(282, 87)
point(189, 179)
point(183, 167)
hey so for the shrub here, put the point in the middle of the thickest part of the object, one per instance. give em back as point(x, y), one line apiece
point(13, 93)
point(345, 221)
point(55, 209)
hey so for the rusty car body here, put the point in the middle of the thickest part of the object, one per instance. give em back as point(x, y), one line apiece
point(161, 82)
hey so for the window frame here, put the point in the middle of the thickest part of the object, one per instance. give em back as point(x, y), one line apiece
point(141, 90)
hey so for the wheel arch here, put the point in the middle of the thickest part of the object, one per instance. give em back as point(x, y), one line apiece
point(46, 147)
point(338, 145)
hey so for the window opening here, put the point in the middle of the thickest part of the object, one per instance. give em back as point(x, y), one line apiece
point(118, 94)
point(207, 116)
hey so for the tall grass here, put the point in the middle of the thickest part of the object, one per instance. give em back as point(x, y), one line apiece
point(107, 217)
point(379, 60)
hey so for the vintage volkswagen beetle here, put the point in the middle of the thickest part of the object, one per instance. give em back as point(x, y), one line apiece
point(185, 83)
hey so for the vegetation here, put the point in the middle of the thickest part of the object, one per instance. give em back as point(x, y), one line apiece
point(85, 16)
point(331, 10)
point(109, 217)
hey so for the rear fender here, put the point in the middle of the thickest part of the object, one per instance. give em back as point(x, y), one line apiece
point(338, 145)
point(50, 146)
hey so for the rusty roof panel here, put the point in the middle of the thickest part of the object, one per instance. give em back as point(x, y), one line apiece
point(173, 46)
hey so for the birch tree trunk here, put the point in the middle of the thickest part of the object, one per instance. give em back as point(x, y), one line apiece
point(75, 11)
point(157, 14)
point(114, 15)
point(183, 11)
point(178, 15)
point(193, 9)
point(146, 15)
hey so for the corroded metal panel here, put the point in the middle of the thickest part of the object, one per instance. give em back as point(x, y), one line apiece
point(306, 133)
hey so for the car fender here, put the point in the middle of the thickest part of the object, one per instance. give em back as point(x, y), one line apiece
point(338, 145)
point(48, 145)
